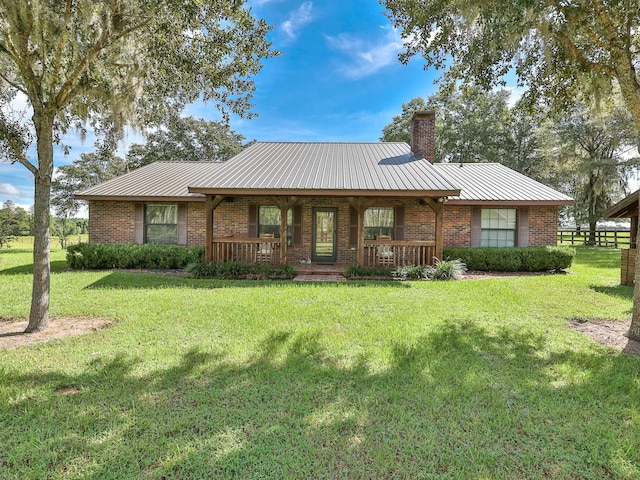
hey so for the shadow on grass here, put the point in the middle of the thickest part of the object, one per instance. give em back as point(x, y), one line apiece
point(597, 257)
point(458, 402)
point(619, 291)
point(119, 280)
point(56, 267)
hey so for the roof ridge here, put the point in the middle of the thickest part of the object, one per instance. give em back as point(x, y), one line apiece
point(330, 142)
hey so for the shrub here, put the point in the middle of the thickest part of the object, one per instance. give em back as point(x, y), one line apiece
point(121, 255)
point(516, 259)
point(411, 272)
point(446, 270)
point(441, 270)
point(354, 271)
point(201, 269)
point(237, 270)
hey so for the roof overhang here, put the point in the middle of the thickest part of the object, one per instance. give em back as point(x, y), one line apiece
point(625, 208)
point(323, 193)
point(113, 198)
point(499, 203)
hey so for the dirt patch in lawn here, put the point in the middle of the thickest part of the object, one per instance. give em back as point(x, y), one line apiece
point(611, 333)
point(12, 331)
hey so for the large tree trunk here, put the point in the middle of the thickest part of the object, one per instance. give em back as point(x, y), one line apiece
point(630, 89)
point(39, 314)
point(592, 233)
point(634, 330)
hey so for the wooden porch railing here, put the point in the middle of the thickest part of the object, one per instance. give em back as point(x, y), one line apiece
point(382, 253)
point(246, 250)
point(377, 253)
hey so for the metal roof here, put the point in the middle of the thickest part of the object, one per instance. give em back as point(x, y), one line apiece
point(157, 181)
point(493, 182)
point(384, 169)
point(330, 168)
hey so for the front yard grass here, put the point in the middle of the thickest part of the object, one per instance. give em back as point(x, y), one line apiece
point(249, 379)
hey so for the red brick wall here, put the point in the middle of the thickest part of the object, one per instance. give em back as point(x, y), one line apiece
point(113, 222)
point(457, 226)
point(543, 226)
point(195, 224)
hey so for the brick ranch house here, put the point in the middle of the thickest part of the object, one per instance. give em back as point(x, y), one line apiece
point(366, 203)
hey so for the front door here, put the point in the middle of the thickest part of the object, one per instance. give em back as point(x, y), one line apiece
point(324, 234)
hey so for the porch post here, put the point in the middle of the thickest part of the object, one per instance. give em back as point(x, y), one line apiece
point(437, 206)
point(360, 205)
point(210, 205)
point(439, 228)
point(208, 229)
point(284, 204)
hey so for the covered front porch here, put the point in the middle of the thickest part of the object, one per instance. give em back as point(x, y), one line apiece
point(323, 230)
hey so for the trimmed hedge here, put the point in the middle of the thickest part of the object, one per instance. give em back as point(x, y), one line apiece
point(516, 259)
point(125, 255)
point(354, 271)
point(237, 270)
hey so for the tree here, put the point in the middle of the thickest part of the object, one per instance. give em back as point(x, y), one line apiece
point(63, 228)
point(90, 63)
point(473, 125)
point(187, 139)
point(560, 50)
point(593, 149)
point(88, 170)
point(399, 130)
point(9, 224)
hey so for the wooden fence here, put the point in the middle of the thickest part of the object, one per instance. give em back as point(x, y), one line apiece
point(603, 238)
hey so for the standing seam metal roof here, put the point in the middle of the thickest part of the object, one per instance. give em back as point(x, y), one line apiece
point(495, 182)
point(327, 166)
point(349, 167)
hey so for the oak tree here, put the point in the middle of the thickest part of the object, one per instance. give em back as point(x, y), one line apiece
point(559, 50)
point(85, 63)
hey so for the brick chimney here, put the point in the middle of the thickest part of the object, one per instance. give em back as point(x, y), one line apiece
point(423, 135)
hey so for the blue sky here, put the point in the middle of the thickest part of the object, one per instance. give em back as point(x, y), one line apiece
point(338, 79)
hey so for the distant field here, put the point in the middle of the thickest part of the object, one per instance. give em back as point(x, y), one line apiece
point(23, 242)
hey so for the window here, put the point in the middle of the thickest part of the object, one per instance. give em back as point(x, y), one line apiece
point(498, 227)
point(269, 222)
point(161, 224)
point(378, 221)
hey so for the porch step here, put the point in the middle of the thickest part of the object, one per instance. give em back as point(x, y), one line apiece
point(319, 273)
point(320, 277)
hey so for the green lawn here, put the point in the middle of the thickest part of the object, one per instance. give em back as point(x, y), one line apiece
point(222, 379)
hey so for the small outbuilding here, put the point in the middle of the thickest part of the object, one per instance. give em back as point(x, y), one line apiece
point(627, 208)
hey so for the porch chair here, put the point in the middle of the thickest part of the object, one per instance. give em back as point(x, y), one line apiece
point(384, 252)
point(265, 249)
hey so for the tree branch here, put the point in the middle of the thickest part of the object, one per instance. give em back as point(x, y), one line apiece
point(69, 88)
point(579, 56)
point(10, 136)
point(17, 86)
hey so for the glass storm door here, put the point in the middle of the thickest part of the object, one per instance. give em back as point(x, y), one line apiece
point(324, 234)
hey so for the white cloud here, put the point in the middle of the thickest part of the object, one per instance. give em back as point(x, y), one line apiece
point(297, 19)
point(366, 58)
point(8, 189)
